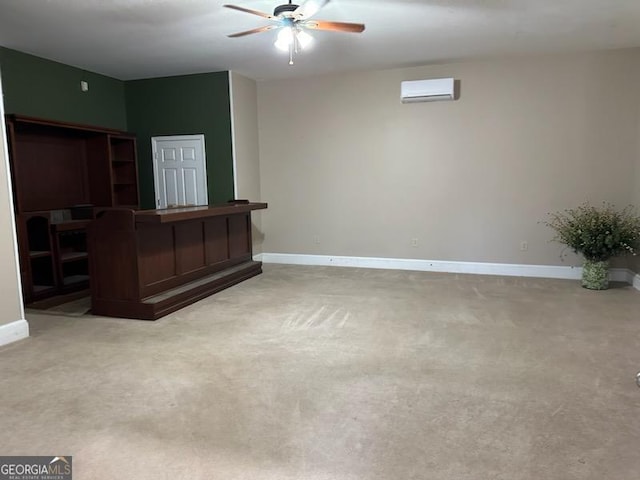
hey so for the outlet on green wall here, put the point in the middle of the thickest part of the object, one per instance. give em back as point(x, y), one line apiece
point(183, 105)
point(42, 88)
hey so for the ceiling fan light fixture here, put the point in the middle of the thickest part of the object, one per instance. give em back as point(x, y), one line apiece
point(292, 21)
point(304, 39)
point(284, 39)
point(291, 36)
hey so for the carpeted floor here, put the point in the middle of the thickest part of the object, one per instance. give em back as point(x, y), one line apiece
point(329, 373)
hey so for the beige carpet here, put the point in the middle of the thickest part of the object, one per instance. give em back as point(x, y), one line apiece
point(328, 373)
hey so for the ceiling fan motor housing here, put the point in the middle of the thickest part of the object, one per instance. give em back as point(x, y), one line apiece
point(280, 9)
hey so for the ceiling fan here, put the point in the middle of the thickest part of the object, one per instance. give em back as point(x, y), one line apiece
point(293, 20)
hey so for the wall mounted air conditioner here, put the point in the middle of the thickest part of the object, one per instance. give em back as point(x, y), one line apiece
point(427, 90)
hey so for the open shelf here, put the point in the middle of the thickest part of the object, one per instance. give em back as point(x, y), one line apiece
point(73, 268)
point(125, 194)
point(72, 244)
point(75, 279)
point(42, 288)
point(123, 148)
point(73, 256)
point(40, 270)
point(38, 239)
point(124, 173)
point(71, 225)
point(74, 272)
point(42, 273)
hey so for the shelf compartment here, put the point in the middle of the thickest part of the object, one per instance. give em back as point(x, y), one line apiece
point(39, 253)
point(38, 238)
point(123, 149)
point(71, 244)
point(42, 271)
point(124, 172)
point(75, 279)
point(125, 194)
point(73, 256)
point(42, 288)
point(71, 225)
point(74, 274)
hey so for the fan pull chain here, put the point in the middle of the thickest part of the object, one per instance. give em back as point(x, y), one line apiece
point(293, 46)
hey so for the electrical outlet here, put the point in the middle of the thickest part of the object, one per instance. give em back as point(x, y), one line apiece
point(524, 246)
point(316, 239)
point(414, 242)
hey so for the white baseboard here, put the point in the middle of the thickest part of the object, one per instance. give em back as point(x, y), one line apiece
point(620, 275)
point(257, 257)
point(625, 275)
point(14, 331)
point(507, 269)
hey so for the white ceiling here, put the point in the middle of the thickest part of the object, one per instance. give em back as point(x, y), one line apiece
point(129, 39)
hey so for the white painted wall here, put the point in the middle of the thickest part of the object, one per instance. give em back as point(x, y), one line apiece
point(343, 161)
point(244, 113)
point(13, 325)
point(635, 261)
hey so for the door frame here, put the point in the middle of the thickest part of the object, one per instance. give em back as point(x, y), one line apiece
point(154, 158)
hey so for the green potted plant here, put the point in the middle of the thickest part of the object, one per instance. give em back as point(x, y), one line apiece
point(598, 234)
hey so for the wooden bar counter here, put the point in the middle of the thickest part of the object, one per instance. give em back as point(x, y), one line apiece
point(148, 263)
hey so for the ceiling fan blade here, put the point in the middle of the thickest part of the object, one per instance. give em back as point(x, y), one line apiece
point(334, 26)
point(255, 30)
point(309, 8)
point(253, 12)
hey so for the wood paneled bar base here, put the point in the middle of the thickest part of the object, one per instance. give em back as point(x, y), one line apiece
point(148, 263)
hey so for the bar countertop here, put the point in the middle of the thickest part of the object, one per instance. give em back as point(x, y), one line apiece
point(179, 214)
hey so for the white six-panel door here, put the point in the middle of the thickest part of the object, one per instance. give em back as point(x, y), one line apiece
point(180, 172)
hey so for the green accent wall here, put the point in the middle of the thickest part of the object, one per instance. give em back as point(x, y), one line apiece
point(42, 88)
point(183, 105)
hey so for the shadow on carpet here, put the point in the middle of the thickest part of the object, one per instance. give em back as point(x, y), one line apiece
point(75, 308)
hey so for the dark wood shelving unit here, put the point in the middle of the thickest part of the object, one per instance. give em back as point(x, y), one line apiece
point(124, 171)
point(60, 173)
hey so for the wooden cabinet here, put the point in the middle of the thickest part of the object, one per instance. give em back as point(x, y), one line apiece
point(146, 264)
point(58, 169)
